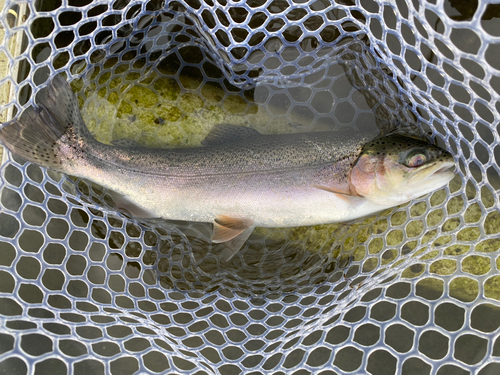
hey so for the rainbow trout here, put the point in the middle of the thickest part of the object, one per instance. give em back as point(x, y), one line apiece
point(239, 178)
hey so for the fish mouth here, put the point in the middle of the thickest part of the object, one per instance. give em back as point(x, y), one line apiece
point(446, 168)
point(431, 178)
point(442, 171)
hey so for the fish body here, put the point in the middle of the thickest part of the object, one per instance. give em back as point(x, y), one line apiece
point(269, 179)
point(239, 178)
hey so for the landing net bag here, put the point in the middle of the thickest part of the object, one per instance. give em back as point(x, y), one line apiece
point(85, 289)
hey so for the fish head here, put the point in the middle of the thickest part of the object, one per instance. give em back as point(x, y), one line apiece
point(395, 169)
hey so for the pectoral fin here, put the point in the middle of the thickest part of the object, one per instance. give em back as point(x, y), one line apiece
point(340, 194)
point(233, 232)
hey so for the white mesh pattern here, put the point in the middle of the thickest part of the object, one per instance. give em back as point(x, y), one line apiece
point(413, 290)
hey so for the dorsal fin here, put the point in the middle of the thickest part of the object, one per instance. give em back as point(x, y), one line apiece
point(225, 133)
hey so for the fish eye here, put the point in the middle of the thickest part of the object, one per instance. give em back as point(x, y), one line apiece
point(415, 158)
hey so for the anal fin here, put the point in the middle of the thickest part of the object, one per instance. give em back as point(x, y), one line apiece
point(233, 232)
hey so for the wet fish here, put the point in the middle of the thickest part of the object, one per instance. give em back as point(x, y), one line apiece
point(239, 178)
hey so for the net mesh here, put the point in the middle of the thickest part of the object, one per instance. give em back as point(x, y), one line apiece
point(412, 290)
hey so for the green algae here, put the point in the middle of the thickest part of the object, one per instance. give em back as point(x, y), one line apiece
point(430, 255)
point(469, 234)
point(443, 267)
point(376, 245)
point(443, 240)
point(359, 254)
point(492, 288)
point(464, 289)
point(488, 246)
point(451, 224)
point(476, 265)
point(418, 209)
point(429, 236)
point(398, 218)
point(456, 250)
point(395, 237)
point(435, 217)
point(414, 228)
point(413, 271)
point(492, 223)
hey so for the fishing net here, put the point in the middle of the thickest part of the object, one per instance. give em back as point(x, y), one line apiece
point(413, 290)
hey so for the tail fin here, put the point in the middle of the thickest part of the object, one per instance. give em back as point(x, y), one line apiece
point(39, 133)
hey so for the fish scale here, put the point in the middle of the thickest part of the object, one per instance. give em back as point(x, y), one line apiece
point(246, 155)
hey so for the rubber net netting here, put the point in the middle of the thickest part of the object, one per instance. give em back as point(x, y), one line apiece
point(85, 289)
